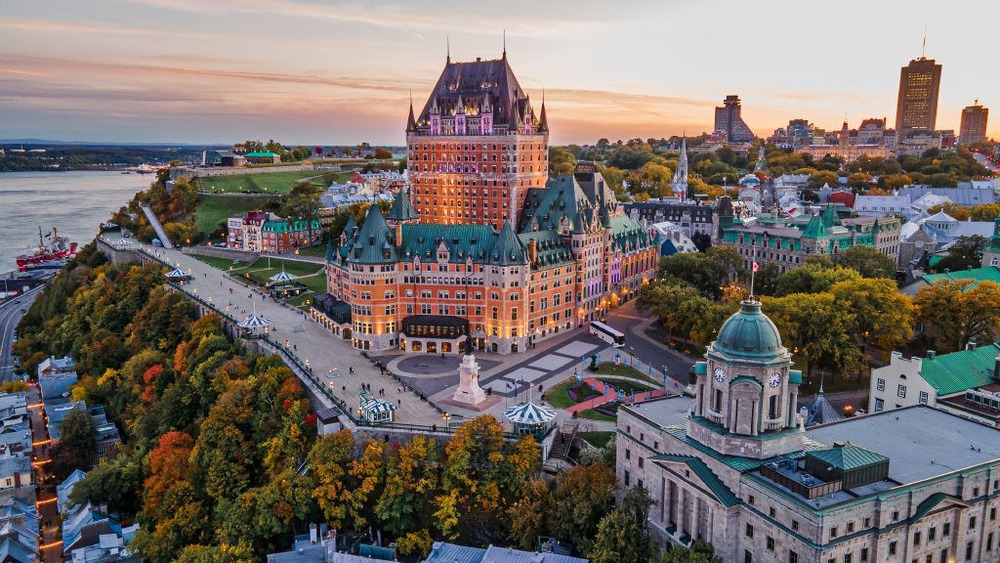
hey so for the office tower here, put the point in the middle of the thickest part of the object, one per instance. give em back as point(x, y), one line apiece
point(973, 127)
point(916, 108)
point(729, 123)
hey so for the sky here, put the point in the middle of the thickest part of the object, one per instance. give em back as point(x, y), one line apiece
point(324, 72)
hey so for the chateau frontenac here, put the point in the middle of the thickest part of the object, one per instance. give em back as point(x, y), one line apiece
point(484, 249)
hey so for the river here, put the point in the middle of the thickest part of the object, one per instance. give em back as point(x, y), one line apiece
point(74, 202)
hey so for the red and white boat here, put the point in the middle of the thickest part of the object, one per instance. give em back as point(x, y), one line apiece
point(49, 254)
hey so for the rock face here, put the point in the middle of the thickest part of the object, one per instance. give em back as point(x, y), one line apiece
point(469, 392)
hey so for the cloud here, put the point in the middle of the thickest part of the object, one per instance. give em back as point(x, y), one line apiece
point(92, 27)
point(18, 72)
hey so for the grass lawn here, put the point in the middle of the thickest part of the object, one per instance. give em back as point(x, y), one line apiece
point(300, 301)
point(626, 386)
point(265, 183)
point(220, 263)
point(559, 397)
point(595, 414)
point(318, 251)
point(260, 272)
point(609, 368)
point(213, 210)
point(597, 439)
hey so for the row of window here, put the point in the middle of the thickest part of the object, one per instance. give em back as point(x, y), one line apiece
point(472, 147)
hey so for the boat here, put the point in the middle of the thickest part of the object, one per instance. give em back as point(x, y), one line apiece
point(49, 254)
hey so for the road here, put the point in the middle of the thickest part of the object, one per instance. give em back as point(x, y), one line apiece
point(10, 315)
point(626, 319)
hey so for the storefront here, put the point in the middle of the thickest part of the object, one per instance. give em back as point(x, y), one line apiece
point(434, 334)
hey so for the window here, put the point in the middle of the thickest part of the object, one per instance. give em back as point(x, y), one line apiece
point(868, 522)
point(833, 532)
point(793, 557)
point(640, 462)
point(895, 515)
point(972, 522)
point(747, 556)
point(749, 530)
point(968, 551)
point(916, 538)
point(848, 558)
point(892, 548)
point(931, 533)
point(879, 405)
point(923, 397)
point(864, 554)
point(795, 525)
point(880, 385)
point(944, 555)
point(627, 478)
point(850, 527)
point(750, 499)
point(993, 513)
point(946, 529)
point(901, 391)
point(989, 542)
point(771, 512)
point(929, 558)
point(770, 543)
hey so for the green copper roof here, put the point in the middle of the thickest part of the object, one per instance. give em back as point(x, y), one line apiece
point(627, 235)
point(462, 241)
point(741, 464)
point(847, 457)
point(830, 217)
point(330, 253)
point(507, 250)
point(986, 273)
point(959, 371)
point(553, 250)
point(371, 245)
point(260, 154)
point(815, 228)
point(795, 376)
point(289, 226)
point(561, 199)
point(749, 334)
point(711, 480)
point(402, 209)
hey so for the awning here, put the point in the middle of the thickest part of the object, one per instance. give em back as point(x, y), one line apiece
point(529, 413)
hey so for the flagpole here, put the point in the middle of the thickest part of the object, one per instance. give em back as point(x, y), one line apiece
point(753, 270)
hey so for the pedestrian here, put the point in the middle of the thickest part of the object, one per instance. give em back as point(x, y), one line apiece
point(350, 370)
point(343, 388)
point(296, 347)
point(399, 402)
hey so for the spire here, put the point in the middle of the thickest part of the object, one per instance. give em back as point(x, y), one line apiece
point(507, 248)
point(923, 46)
point(680, 182)
point(543, 122)
point(329, 251)
point(447, 40)
point(411, 123)
point(505, 42)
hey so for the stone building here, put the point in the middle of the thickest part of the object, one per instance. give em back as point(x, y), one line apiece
point(736, 467)
point(788, 242)
point(485, 249)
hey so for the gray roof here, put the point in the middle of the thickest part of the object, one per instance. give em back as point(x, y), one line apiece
point(920, 442)
point(402, 209)
point(821, 411)
point(477, 84)
point(963, 195)
point(442, 552)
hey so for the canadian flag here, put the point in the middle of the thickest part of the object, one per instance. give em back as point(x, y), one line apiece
point(756, 266)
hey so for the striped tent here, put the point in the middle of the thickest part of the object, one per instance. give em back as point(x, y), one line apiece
point(529, 414)
point(178, 274)
point(254, 321)
point(282, 277)
point(123, 244)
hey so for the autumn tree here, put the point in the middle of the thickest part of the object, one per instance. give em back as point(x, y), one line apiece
point(328, 462)
point(583, 495)
point(817, 329)
point(623, 534)
point(410, 485)
point(868, 261)
point(879, 312)
point(956, 312)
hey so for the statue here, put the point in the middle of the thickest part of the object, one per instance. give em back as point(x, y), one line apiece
point(802, 416)
point(469, 392)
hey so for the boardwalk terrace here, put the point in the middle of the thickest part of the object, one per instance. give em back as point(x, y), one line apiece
point(485, 249)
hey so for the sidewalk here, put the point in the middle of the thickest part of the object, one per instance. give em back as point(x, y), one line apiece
point(612, 396)
point(50, 543)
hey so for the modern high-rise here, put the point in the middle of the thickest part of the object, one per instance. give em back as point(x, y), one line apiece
point(476, 147)
point(916, 108)
point(973, 127)
point(729, 124)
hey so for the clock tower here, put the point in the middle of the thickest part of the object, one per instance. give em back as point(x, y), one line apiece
point(746, 390)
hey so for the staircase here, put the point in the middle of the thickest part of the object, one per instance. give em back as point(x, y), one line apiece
point(157, 227)
point(559, 459)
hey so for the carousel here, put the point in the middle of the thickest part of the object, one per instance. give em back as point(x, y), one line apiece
point(529, 418)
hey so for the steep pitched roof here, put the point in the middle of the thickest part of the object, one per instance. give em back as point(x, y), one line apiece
point(475, 82)
point(815, 228)
point(562, 198)
point(402, 209)
point(507, 249)
point(462, 241)
point(552, 249)
point(821, 411)
point(372, 245)
point(627, 235)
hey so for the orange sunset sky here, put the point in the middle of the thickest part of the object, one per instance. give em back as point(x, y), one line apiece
point(316, 72)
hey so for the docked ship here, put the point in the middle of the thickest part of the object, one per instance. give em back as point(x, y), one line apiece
point(51, 253)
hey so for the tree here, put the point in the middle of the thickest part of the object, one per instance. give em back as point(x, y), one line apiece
point(818, 328)
point(868, 261)
point(880, 313)
point(812, 277)
point(78, 437)
point(964, 254)
point(705, 271)
point(699, 552)
point(530, 515)
point(383, 154)
point(583, 495)
point(623, 535)
point(328, 461)
point(956, 312)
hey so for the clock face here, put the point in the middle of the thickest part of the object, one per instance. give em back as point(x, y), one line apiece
point(774, 380)
point(720, 375)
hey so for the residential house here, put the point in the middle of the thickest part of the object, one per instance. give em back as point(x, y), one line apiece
point(55, 376)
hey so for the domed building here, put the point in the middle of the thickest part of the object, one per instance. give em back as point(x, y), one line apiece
point(736, 466)
point(746, 391)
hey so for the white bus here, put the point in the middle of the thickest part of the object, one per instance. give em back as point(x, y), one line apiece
point(608, 334)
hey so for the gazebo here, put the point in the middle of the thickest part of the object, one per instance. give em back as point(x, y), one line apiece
point(529, 418)
point(282, 277)
point(178, 275)
point(253, 322)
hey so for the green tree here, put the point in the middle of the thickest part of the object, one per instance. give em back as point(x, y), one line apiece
point(224, 553)
point(880, 313)
point(869, 261)
point(78, 437)
point(583, 495)
point(964, 254)
point(817, 329)
point(623, 534)
point(812, 277)
point(410, 485)
point(699, 552)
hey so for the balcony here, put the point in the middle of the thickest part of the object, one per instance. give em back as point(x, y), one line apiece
point(715, 417)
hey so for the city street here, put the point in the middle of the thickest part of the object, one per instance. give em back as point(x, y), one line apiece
point(626, 319)
point(10, 315)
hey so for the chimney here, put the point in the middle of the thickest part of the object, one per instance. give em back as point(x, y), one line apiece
point(399, 234)
point(931, 354)
point(970, 346)
point(313, 533)
point(533, 251)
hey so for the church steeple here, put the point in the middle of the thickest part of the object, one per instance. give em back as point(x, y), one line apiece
point(680, 183)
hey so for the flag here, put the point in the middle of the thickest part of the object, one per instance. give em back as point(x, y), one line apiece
point(756, 266)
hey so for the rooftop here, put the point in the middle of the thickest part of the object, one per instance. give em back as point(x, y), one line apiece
point(666, 411)
point(902, 436)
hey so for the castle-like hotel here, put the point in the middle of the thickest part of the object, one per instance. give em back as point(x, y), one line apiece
point(485, 248)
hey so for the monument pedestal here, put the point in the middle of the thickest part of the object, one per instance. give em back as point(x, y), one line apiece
point(469, 392)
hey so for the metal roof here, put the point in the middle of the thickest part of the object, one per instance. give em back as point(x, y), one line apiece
point(959, 371)
point(711, 480)
point(847, 457)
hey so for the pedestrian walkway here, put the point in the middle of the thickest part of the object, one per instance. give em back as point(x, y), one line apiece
point(157, 227)
point(610, 395)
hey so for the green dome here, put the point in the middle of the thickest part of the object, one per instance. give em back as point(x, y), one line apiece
point(749, 333)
